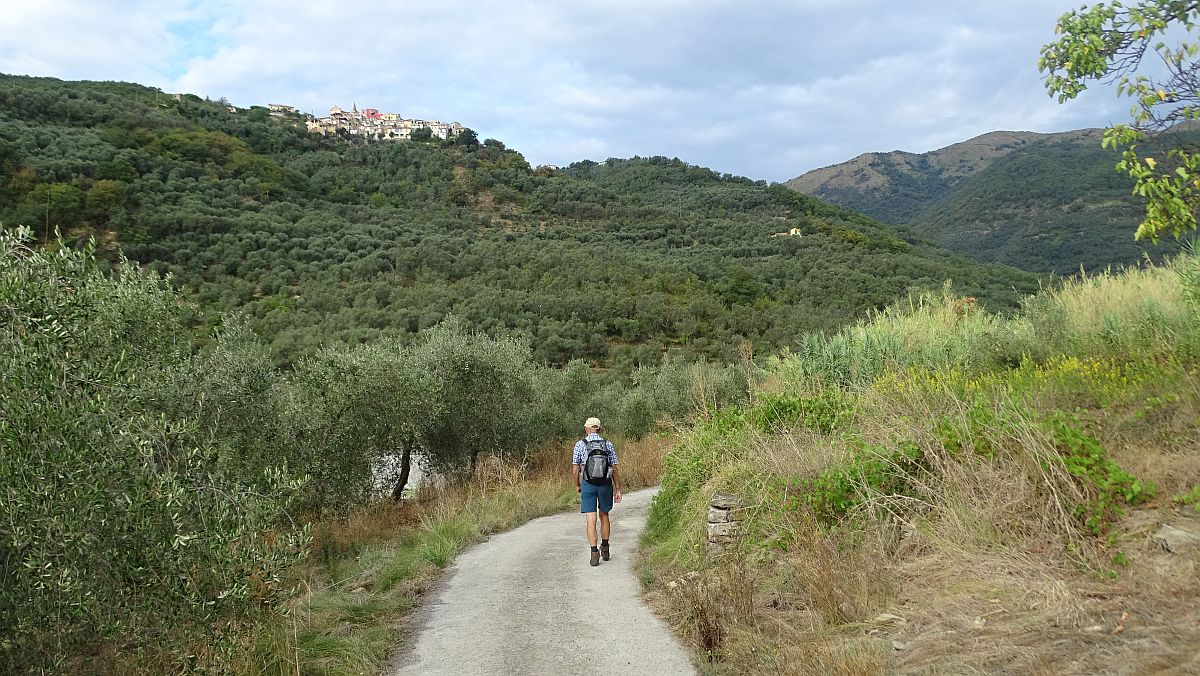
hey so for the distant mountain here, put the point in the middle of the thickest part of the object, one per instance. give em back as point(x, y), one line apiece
point(1040, 202)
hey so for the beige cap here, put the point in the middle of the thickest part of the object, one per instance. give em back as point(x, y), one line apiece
point(592, 422)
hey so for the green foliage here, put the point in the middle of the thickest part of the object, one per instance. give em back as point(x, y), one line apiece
point(442, 541)
point(690, 465)
point(144, 481)
point(338, 416)
point(718, 438)
point(483, 391)
point(829, 410)
point(346, 410)
point(872, 471)
point(1188, 269)
point(637, 405)
point(955, 451)
point(320, 241)
point(1109, 487)
point(1191, 497)
point(146, 477)
point(49, 206)
point(970, 432)
point(927, 397)
point(1107, 42)
point(1052, 206)
point(1126, 318)
point(1046, 204)
point(936, 330)
point(112, 521)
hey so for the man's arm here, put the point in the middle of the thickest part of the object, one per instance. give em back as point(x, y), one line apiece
point(575, 471)
point(616, 477)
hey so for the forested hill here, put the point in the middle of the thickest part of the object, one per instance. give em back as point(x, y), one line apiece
point(895, 187)
point(322, 240)
point(1040, 202)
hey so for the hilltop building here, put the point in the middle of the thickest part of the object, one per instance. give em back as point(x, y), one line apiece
point(372, 124)
point(279, 110)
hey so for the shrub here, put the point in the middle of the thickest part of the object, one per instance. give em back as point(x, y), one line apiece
point(824, 413)
point(1108, 486)
point(1124, 317)
point(872, 470)
point(112, 526)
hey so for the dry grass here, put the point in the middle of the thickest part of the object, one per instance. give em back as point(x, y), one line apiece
point(1158, 440)
point(797, 451)
point(974, 516)
point(998, 576)
point(983, 565)
point(1031, 611)
point(642, 461)
point(983, 586)
point(742, 616)
point(369, 570)
point(1140, 308)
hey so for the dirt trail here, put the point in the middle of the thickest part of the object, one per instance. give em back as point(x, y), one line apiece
point(527, 602)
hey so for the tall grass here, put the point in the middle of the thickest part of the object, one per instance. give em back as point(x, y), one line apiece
point(1140, 313)
point(921, 476)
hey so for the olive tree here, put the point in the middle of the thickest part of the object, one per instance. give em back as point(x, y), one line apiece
point(114, 525)
point(485, 396)
point(232, 393)
point(348, 409)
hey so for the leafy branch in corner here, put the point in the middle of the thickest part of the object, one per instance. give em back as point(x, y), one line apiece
point(1110, 43)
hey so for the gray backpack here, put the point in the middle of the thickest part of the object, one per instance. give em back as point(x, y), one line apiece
point(596, 467)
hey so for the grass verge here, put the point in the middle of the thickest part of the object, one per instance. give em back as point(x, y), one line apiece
point(941, 492)
point(367, 572)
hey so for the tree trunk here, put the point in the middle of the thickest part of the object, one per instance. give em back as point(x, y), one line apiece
point(405, 467)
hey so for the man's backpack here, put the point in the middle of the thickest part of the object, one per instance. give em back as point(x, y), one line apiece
point(596, 467)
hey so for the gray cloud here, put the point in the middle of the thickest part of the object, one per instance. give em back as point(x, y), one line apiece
point(766, 89)
point(128, 40)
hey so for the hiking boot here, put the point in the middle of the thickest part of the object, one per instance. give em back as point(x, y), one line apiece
point(604, 551)
point(595, 558)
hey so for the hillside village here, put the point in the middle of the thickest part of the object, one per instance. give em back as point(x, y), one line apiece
point(370, 123)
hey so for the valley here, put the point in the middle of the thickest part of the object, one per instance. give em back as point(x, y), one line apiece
point(283, 402)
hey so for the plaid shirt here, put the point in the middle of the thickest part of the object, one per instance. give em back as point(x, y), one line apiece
point(580, 454)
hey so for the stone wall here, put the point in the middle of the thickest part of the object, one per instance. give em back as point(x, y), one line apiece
point(724, 522)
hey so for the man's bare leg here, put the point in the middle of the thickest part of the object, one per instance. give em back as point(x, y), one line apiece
point(605, 527)
point(591, 526)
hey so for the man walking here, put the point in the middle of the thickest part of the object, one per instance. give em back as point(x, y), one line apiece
point(594, 465)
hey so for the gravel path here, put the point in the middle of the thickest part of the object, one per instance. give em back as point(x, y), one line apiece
point(527, 602)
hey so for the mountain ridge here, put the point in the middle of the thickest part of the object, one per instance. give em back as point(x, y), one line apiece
point(952, 163)
point(1043, 202)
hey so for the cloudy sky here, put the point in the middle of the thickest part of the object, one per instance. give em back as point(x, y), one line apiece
point(767, 89)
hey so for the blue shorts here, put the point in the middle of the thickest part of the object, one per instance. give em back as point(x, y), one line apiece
point(591, 495)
